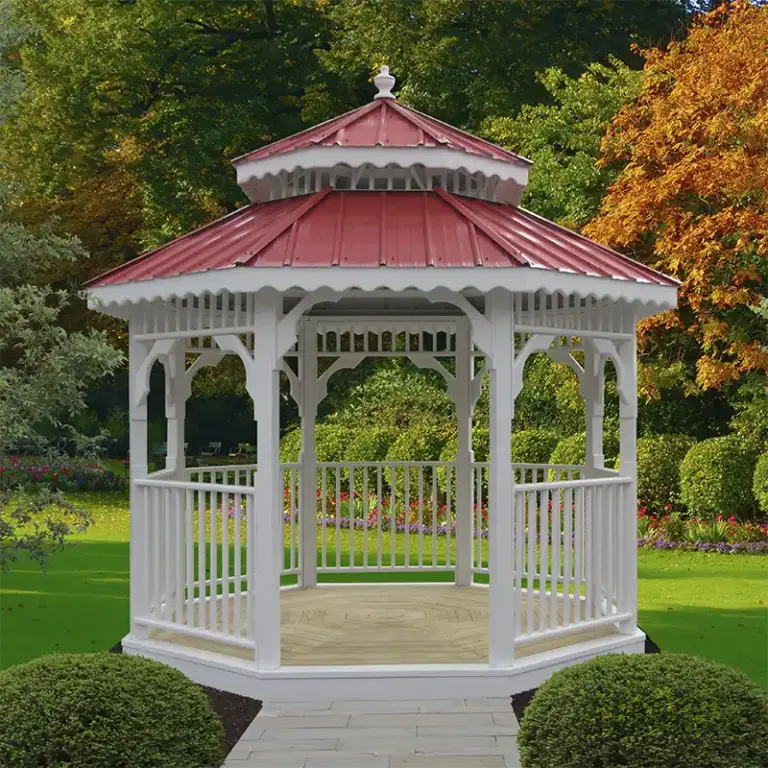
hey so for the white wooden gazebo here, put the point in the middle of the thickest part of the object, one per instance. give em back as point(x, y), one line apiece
point(382, 232)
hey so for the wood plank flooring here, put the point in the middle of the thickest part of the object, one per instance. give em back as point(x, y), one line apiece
point(384, 624)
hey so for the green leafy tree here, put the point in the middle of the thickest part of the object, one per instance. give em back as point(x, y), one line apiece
point(563, 136)
point(465, 60)
point(44, 370)
point(180, 88)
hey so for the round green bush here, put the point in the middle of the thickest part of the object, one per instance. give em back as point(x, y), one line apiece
point(573, 450)
point(760, 482)
point(658, 469)
point(419, 443)
point(646, 711)
point(716, 478)
point(105, 710)
point(533, 446)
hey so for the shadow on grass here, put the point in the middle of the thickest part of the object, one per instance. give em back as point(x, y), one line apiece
point(737, 637)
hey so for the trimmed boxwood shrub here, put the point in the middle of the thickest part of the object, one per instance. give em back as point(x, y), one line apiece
point(418, 443)
point(760, 482)
point(105, 710)
point(716, 478)
point(658, 469)
point(533, 446)
point(646, 711)
point(573, 450)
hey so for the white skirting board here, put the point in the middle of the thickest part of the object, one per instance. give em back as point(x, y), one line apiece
point(376, 682)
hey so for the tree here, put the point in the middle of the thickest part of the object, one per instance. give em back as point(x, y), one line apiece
point(181, 88)
point(44, 371)
point(563, 137)
point(692, 199)
point(466, 60)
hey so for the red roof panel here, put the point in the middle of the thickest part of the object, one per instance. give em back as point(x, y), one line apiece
point(385, 123)
point(334, 228)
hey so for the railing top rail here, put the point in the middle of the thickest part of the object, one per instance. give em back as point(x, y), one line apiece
point(566, 484)
point(185, 486)
point(220, 467)
point(385, 463)
point(531, 466)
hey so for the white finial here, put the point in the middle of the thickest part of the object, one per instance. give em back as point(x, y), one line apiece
point(384, 82)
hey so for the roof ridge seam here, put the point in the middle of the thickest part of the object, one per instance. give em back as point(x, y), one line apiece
point(514, 253)
point(280, 227)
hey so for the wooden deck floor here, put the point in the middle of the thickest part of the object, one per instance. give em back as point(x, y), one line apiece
point(378, 624)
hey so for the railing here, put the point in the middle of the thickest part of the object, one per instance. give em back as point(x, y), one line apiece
point(572, 541)
point(196, 546)
point(363, 505)
point(571, 545)
point(523, 473)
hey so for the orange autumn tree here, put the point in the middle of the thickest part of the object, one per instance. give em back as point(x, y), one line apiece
point(692, 199)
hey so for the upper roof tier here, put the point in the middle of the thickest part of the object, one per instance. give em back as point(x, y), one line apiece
point(383, 145)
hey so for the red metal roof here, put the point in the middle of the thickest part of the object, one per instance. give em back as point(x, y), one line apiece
point(388, 124)
point(334, 228)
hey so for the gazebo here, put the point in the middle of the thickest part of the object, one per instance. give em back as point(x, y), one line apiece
point(382, 232)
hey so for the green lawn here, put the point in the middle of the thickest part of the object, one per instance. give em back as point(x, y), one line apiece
point(711, 605)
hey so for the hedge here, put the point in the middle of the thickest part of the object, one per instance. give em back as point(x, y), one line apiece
point(760, 483)
point(533, 446)
point(105, 710)
point(658, 470)
point(716, 478)
point(646, 711)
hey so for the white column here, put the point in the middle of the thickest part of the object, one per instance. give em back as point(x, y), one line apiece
point(628, 468)
point(308, 456)
point(593, 392)
point(501, 602)
point(268, 544)
point(175, 408)
point(464, 455)
point(139, 562)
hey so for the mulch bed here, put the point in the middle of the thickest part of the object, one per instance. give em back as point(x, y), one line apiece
point(521, 700)
point(236, 712)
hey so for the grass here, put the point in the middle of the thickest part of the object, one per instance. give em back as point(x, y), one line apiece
point(708, 605)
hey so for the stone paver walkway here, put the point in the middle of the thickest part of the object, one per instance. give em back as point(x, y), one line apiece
point(463, 733)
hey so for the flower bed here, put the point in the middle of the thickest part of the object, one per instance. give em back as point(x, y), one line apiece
point(671, 530)
point(63, 475)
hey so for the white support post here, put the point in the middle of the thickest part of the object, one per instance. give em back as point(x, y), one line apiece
point(268, 545)
point(464, 455)
point(139, 560)
point(593, 392)
point(176, 390)
point(628, 468)
point(501, 593)
point(308, 456)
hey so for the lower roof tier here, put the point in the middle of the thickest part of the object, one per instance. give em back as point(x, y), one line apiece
point(371, 229)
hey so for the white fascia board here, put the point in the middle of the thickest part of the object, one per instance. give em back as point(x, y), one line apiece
point(380, 157)
point(648, 298)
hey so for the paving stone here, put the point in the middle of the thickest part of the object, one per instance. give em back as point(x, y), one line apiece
point(347, 761)
point(505, 718)
point(468, 730)
point(269, 761)
point(299, 745)
point(443, 706)
point(406, 745)
point(499, 702)
point(275, 709)
point(330, 720)
point(399, 707)
point(449, 718)
point(443, 761)
point(359, 734)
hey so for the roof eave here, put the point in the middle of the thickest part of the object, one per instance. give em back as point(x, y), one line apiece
point(649, 298)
